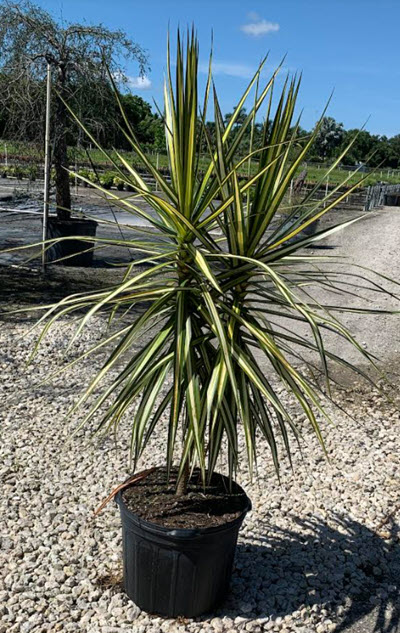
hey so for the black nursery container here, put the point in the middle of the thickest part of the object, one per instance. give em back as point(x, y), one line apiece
point(177, 572)
point(76, 252)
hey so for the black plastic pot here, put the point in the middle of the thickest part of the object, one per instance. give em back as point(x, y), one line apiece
point(177, 572)
point(310, 230)
point(76, 251)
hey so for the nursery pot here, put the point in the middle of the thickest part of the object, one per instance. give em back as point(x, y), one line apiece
point(72, 249)
point(177, 572)
point(311, 229)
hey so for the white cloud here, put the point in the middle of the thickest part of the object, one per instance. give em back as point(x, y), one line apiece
point(258, 26)
point(228, 68)
point(140, 83)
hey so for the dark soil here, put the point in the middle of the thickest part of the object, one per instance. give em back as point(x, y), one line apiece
point(153, 499)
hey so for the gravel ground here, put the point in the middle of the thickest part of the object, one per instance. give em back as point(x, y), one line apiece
point(318, 553)
point(312, 557)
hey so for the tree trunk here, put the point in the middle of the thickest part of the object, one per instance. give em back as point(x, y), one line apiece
point(60, 158)
point(182, 486)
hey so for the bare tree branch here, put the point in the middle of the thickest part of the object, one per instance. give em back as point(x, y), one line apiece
point(79, 54)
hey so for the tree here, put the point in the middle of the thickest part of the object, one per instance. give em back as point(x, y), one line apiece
point(140, 117)
point(240, 117)
point(393, 158)
point(79, 56)
point(329, 137)
point(363, 145)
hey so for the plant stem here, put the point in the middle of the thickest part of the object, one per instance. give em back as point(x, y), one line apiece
point(183, 482)
point(184, 278)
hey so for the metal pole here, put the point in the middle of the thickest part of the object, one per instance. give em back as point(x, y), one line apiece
point(6, 157)
point(46, 168)
point(157, 166)
point(291, 192)
point(77, 156)
point(76, 177)
point(326, 190)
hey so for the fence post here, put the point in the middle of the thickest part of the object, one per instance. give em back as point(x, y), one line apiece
point(367, 199)
point(157, 165)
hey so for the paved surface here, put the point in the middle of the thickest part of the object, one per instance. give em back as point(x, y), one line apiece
point(372, 242)
point(22, 224)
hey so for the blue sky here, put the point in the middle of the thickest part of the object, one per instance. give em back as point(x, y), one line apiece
point(351, 46)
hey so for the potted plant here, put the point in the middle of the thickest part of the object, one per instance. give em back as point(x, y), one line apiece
point(119, 183)
point(32, 172)
point(82, 173)
point(74, 179)
point(207, 352)
point(70, 237)
point(70, 240)
point(107, 180)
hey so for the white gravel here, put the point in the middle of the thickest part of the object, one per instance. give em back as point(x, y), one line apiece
point(311, 557)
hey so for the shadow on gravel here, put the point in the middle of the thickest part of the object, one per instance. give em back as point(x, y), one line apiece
point(23, 286)
point(350, 571)
point(321, 247)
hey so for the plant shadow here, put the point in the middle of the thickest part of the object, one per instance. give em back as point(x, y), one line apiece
point(348, 571)
point(321, 247)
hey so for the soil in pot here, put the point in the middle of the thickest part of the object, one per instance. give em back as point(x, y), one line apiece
point(153, 499)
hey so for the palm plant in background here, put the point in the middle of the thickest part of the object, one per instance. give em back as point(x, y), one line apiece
point(220, 268)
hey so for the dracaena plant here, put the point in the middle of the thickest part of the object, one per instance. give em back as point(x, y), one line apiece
point(224, 266)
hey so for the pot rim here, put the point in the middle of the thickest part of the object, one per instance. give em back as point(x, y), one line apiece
point(183, 533)
point(72, 220)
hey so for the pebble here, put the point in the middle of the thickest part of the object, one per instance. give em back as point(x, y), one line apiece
point(306, 551)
